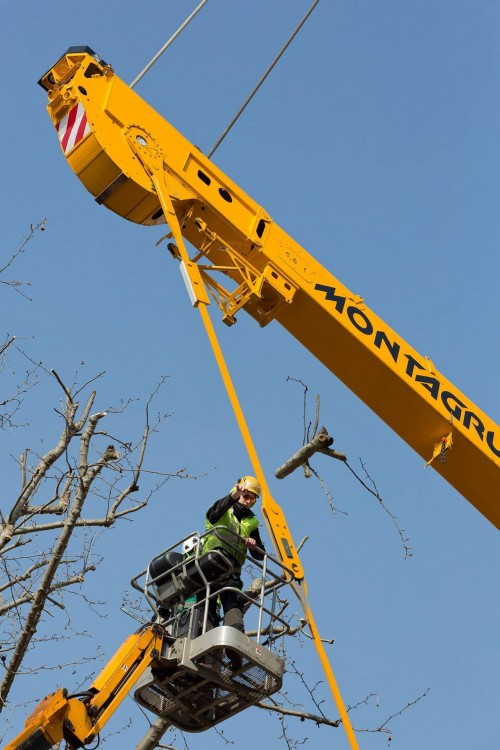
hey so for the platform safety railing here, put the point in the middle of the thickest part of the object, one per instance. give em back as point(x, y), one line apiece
point(193, 581)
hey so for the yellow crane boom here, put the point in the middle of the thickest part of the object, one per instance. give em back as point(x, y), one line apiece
point(138, 165)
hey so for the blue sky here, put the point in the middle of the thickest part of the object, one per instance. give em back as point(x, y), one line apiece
point(374, 143)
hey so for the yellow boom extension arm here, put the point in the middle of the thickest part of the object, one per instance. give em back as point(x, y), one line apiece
point(78, 719)
point(120, 148)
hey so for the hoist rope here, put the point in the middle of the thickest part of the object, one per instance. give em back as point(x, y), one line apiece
point(261, 81)
point(168, 43)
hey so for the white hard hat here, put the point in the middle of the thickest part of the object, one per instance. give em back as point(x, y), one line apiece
point(189, 545)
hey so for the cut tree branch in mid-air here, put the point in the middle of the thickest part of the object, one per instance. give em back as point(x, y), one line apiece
point(320, 443)
point(301, 458)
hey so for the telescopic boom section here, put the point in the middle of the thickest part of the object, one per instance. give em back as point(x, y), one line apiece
point(78, 719)
point(120, 148)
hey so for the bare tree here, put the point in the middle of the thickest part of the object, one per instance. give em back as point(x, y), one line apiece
point(85, 482)
point(45, 544)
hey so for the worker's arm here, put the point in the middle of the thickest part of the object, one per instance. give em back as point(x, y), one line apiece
point(217, 510)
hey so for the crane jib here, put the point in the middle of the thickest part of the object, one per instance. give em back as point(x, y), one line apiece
point(135, 163)
point(455, 406)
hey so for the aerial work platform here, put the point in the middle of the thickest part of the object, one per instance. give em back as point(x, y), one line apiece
point(204, 674)
point(207, 685)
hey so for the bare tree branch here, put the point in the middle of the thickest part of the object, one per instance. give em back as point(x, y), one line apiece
point(87, 476)
point(374, 491)
point(302, 715)
point(40, 472)
point(23, 577)
point(21, 249)
point(154, 734)
point(55, 587)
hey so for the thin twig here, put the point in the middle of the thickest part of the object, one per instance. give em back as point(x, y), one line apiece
point(374, 491)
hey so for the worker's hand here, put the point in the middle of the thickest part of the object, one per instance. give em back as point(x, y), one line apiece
point(237, 492)
point(250, 543)
point(240, 494)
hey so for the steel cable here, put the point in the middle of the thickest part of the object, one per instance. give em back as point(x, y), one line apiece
point(261, 81)
point(168, 43)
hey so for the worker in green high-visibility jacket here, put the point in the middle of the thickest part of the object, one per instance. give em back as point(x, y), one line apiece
point(233, 512)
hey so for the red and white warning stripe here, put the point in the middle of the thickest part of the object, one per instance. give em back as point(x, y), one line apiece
point(72, 128)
